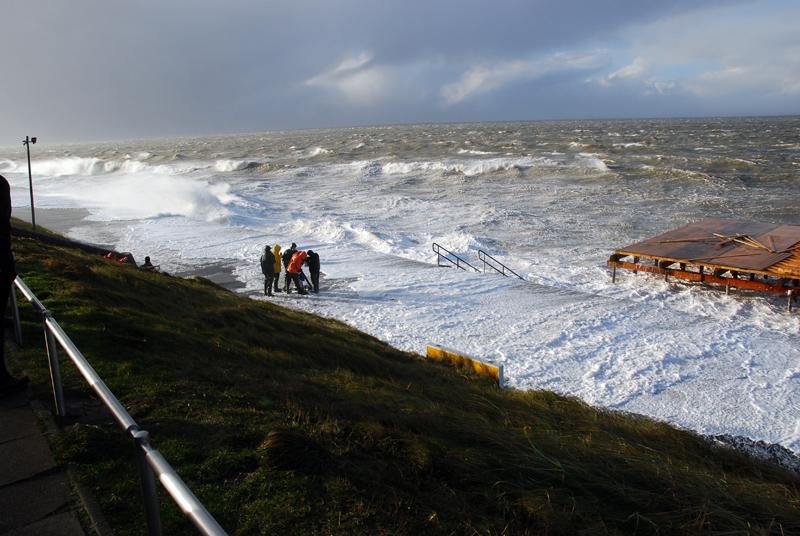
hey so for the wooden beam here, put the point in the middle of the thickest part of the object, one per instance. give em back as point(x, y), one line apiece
point(776, 288)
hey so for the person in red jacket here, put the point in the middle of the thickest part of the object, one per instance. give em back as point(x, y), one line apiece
point(293, 271)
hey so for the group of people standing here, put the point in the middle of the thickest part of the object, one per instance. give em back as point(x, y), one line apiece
point(292, 260)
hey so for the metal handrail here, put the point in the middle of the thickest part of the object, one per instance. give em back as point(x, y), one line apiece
point(455, 260)
point(151, 463)
point(488, 260)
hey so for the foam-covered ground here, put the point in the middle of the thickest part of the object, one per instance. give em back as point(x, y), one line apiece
point(693, 356)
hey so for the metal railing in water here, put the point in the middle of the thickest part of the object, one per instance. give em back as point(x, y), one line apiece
point(444, 253)
point(495, 265)
point(151, 464)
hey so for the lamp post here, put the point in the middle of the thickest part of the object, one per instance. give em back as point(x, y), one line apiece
point(27, 143)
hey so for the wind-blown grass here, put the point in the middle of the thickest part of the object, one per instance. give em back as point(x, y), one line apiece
point(286, 423)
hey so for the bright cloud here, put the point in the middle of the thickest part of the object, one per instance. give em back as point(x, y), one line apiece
point(484, 78)
point(187, 67)
point(719, 52)
point(357, 78)
point(633, 70)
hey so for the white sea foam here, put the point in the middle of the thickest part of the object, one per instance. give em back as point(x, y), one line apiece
point(234, 165)
point(629, 144)
point(592, 161)
point(475, 152)
point(82, 166)
point(139, 196)
point(693, 356)
point(467, 167)
point(317, 151)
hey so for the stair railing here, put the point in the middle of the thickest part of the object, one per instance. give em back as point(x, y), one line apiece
point(496, 265)
point(150, 462)
point(442, 253)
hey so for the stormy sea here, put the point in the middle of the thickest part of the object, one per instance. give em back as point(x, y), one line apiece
point(550, 200)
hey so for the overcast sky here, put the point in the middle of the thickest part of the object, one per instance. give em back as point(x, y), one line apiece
point(108, 69)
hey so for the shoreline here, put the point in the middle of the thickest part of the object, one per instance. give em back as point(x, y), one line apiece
point(62, 220)
point(222, 274)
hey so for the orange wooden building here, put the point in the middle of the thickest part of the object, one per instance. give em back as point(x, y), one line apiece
point(748, 255)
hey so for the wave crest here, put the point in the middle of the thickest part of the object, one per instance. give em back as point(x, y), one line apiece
point(235, 165)
point(83, 166)
point(468, 168)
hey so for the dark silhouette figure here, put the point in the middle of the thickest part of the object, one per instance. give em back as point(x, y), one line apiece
point(8, 273)
point(268, 269)
point(313, 267)
point(287, 258)
point(147, 264)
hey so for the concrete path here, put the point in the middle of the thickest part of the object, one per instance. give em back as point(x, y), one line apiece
point(35, 494)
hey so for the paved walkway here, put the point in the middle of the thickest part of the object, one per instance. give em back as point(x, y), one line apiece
point(35, 495)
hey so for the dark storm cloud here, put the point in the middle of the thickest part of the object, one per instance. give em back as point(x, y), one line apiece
point(99, 69)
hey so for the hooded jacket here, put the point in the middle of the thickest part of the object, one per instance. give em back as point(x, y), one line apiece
point(287, 256)
point(267, 262)
point(313, 262)
point(296, 263)
point(276, 252)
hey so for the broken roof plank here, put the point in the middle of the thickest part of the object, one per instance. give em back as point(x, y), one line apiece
point(731, 244)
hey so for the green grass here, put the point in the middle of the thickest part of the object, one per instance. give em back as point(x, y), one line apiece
point(286, 423)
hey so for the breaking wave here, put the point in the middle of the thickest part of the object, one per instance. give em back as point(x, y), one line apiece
point(143, 197)
point(88, 167)
point(592, 162)
point(81, 166)
point(475, 152)
point(409, 246)
point(468, 168)
point(235, 165)
point(316, 151)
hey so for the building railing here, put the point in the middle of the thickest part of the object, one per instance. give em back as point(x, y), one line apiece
point(442, 253)
point(151, 464)
point(495, 265)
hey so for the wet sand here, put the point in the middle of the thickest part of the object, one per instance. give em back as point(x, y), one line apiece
point(60, 220)
point(220, 273)
point(63, 220)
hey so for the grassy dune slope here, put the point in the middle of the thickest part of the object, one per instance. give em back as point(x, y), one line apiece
point(287, 423)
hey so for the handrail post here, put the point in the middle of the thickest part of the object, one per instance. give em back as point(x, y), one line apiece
point(149, 491)
point(55, 369)
point(149, 461)
point(15, 313)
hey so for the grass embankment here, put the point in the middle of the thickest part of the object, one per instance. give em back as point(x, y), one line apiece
point(287, 423)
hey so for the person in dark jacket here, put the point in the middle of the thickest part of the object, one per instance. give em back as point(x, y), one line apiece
point(8, 272)
point(287, 258)
point(313, 267)
point(268, 269)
